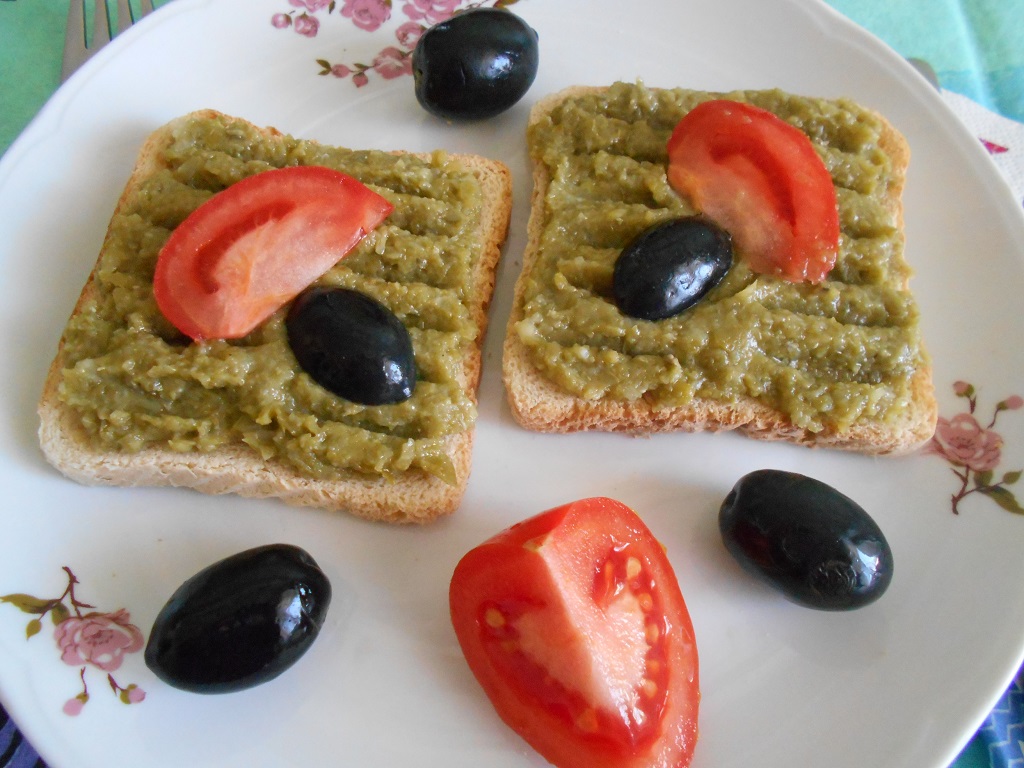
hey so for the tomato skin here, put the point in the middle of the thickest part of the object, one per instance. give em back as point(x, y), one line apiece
point(760, 179)
point(524, 605)
point(253, 247)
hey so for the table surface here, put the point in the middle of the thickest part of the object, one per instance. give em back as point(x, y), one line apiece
point(974, 47)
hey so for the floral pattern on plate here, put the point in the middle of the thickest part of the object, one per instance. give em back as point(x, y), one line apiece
point(93, 639)
point(974, 452)
point(395, 60)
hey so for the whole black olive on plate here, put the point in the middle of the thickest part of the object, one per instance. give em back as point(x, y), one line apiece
point(670, 266)
point(475, 65)
point(807, 539)
point(352, 345)
point(241, 621)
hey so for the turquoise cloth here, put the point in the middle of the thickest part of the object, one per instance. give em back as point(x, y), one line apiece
point(31, 42)
point(976, 48)
point(31, 47)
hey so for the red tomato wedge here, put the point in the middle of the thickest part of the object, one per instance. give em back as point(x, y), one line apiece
point(759, 178)
point(249, 250)
point(574, 625)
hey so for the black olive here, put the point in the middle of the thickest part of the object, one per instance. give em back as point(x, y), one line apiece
point(352, 345)
point(807, 539)
point(240, 622)
point(475, 65)
point(670, 266)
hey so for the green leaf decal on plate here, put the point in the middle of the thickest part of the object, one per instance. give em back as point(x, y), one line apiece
point(33, 628)
point(27, 603)
point(1003, 498)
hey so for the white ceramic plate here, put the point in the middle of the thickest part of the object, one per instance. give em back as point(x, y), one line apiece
point(903, 682)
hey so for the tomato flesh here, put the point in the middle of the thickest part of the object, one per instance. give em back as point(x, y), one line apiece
point(760, 179)
point(575, 627)
point(253, 247)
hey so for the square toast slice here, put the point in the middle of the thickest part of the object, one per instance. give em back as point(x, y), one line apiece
point(128, 401)
point(838, 365)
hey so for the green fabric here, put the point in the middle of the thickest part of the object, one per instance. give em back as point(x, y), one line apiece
point(975, 46)
point(31, 48)
point(31, 44)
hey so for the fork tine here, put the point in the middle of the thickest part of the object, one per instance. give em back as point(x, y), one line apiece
point(76, 50)
point(124, 15)
point(74, 39)
point(100, 26)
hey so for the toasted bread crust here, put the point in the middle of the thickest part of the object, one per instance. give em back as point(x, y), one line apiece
point(540, 405)
point(415, 496)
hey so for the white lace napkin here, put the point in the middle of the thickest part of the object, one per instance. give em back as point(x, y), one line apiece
point(1002, 137)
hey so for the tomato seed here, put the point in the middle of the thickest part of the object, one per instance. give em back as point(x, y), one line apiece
point(652, 633)
point(534, 544)
point(633, 568)
point(587, 721)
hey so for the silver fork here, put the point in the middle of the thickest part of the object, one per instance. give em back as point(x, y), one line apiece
point(76, 50)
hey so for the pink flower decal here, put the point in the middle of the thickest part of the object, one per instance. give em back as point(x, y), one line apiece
point(307, 25)
point(964, 442)
point(367, 14)
point(99, 639)
point(93, 639)
point(993, 148)
point(430, 11)
point(75, 705)
point(974, 451)
point(409, 33)
point(391, 63)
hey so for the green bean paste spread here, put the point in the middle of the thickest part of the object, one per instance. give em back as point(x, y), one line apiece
point(135, 382)
point(827, 355)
